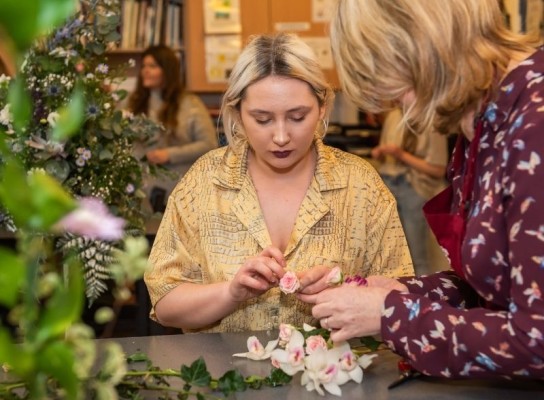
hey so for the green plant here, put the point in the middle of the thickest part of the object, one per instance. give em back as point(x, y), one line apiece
point(66, 78)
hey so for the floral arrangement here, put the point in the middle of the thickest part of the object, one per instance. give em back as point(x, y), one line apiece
point(63, 73)
point(324, 365)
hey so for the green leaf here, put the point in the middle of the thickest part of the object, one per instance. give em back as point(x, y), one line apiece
point(49, 200)
point(138, 357)
point(70, 117)
point(197, 374)
point(52, 13)
point(19, 359)
point(14, 193)
point(19, 100)
point(370, 342)
point(231, 382)
point(105, 154)
point(19, 19)
point(64, 308)
point(277, 378)
point(11, 278)
point(24, 21)
point(57, 359)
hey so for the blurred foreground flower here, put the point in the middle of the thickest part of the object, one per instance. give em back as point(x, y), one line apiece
point(93, 220)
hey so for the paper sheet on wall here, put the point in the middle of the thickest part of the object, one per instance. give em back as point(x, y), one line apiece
point(222, 16)
point(322, 10)
point(322, 49)
point(221, 55)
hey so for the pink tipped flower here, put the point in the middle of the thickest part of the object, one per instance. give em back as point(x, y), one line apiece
point(335, 276)
point(286, 331)
point(93, 220)
point(256, 351)
point(289, 283)
point(315, 342)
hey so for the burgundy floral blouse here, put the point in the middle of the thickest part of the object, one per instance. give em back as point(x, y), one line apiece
point(492, 324)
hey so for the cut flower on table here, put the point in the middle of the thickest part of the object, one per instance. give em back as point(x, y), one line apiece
point(324, 366)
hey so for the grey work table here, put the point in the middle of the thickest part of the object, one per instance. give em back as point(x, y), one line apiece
point(171, 351)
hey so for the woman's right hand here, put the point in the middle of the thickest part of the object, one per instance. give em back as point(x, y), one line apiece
point(258, 274)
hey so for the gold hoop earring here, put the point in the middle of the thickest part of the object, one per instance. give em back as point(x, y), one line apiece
point(325, 127)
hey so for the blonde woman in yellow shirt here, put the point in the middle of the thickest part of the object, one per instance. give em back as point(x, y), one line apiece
point(275, 199)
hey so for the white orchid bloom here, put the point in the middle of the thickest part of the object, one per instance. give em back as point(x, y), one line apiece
point(286, 331)
point(290, 360)
point(256, 350)
point(307, 327)
point(322, 369)
point(366, 359)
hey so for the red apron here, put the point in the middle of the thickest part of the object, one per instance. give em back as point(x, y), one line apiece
point(448, 224)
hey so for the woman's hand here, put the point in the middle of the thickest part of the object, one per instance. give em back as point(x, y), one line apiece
point(350, 311)
point(157, 156)
point(257, 275)
point(314, 280)
point(386, 283)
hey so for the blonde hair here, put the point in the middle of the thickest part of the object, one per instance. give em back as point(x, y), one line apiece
point(449, 52)
point(282, 55)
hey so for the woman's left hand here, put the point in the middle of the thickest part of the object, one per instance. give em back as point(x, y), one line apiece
point(349, 311)
point(158, 156)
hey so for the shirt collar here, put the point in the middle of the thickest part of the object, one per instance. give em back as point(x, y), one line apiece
point(233, 169)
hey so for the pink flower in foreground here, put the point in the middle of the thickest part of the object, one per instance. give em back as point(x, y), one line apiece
point(315, 342)
point(93, 220)
point(289, 283)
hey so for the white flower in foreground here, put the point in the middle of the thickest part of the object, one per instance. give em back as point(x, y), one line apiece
point(52, 118)
point(290, 360)
point(5, 115)
point(322, 369)
point(308, 327)
point(286, 331)
point(256, 349)
point(93, 220)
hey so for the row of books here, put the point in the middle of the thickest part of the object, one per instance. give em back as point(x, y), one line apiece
point(151, 22)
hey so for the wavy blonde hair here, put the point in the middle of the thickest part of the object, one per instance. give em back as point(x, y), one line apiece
point(449, 52)
point(265, 55)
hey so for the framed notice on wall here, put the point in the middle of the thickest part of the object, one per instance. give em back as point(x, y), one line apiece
point(221, 16)
point(222, 51)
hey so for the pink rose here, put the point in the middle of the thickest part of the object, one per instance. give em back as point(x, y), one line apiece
point(315, 342)
point(289, 283)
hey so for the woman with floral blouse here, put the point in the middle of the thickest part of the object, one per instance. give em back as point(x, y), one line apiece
point(454, 66)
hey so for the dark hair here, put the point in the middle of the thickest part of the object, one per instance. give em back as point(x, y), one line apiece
point(165, 57)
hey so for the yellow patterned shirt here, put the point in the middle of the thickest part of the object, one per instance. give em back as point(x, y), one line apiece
point(213, 223)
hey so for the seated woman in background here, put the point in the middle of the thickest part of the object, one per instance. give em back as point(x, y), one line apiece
point(275, 199)
point(189, 131)
point(413, 166)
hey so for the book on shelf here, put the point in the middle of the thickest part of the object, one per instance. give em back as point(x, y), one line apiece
point(151, 22)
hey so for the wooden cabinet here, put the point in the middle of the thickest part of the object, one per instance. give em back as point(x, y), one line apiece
point(257, 16)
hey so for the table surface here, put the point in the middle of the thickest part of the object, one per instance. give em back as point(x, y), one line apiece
point(171, 351)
